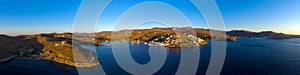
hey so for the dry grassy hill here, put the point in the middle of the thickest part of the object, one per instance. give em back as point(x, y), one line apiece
point(54, 47)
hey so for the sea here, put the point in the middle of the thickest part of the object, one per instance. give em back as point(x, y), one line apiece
point(246, 56)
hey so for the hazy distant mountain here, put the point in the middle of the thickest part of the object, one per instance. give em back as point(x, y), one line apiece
point(262, 34)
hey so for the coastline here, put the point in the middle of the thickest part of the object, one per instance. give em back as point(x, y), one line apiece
point(7, 59)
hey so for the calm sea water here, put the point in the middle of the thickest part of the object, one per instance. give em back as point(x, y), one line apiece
point(247, 56)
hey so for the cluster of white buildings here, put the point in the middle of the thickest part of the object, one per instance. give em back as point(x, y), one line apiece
point(195, 39)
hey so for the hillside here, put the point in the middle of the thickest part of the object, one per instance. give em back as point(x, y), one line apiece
point(53, 47)
point(9, 46)
point(147, 33)
point(168, 37)
point(13, 45)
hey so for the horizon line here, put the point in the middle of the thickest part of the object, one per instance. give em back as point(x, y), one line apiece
point(17, 34)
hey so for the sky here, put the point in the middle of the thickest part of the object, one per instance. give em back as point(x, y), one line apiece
point(45, 16)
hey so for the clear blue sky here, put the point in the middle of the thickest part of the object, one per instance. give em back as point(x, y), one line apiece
point(39, 16)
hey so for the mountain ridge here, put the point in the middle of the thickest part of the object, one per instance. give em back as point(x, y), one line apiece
point(261, 34)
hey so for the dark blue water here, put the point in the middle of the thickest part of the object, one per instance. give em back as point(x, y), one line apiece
point(35, 67)
point(253, 56)
point(263, 56)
